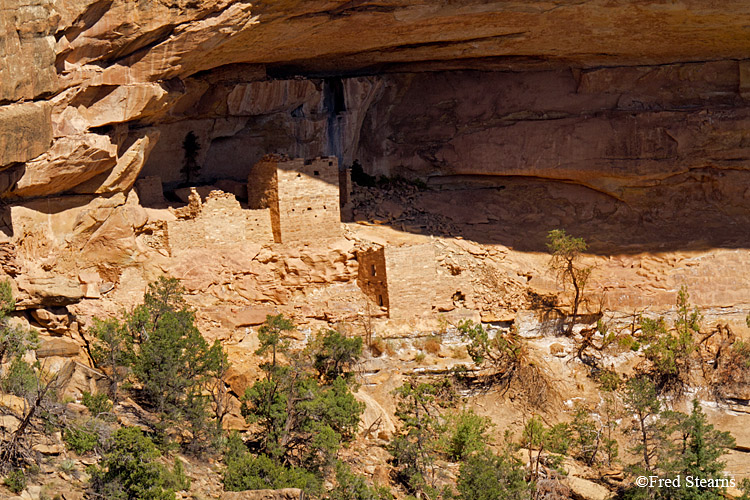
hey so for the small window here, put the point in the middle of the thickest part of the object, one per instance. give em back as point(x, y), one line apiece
point(299, 175)
point(373, 271)
point(380, 300)
point(309, 208)
point(316, 172)
point(330, 163)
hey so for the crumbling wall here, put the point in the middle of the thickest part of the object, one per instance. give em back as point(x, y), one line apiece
point(371, 275)
point(411, 277)
point(221, 221)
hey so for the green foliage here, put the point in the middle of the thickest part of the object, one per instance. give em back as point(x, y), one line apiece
point(81, 439)
point(176, 479)
point(608, 380)
point(559, 438)
point(246, 472)
point(130, 470)
point(486, 476)
point(173, 363)
point(468, 434)
point(96, 403)
point(350, 486)
point(421, 439)
point(641, 402)
point(695, 450)
point(303, 414)
point(21, 379)
point(15, 481)
point(502, 352)
point(566, 253)
point(587, 439)
point(112, 351)
point(669, 351)
point(272, 336)
point(334, 354)
point(14, 341)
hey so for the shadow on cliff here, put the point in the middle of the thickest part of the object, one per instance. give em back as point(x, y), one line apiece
point(518, 212)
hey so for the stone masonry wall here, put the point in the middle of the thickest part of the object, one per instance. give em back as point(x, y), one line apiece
point(222, 221)
point(411, 275)
point(263, 191)
point(371, 275)
point(309, 199)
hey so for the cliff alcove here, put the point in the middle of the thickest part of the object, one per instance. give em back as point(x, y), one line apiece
point(214, 141)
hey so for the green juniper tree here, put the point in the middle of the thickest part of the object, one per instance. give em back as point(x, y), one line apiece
point(302, 419)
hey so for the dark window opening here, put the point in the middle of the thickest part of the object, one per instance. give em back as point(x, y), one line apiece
point(330, 163)
point(309, 208)
point(380, 300)
point(299, 175)
point(316, 172)
point(373, 271)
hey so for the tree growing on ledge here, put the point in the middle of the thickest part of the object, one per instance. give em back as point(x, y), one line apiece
point(566, 261)
point(191, 169)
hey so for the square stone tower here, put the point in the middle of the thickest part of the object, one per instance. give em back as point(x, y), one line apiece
point(302, 195)
point(401, 279)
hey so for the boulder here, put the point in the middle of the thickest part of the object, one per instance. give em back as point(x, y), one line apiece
point(51, 290)
point(250, 316)
point(69, 162)
point(75, 378)
point(25, 131)
point(583, 489)
point(54, 319)
point(58, 346)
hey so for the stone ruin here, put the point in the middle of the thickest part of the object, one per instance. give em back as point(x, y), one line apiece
point(218, 221)
point(302, 196)
point(401, 279)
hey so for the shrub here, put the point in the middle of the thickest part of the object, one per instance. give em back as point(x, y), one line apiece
point(80, 439)
point(173, 362)
point(334, 354)
point(14, 341)
point(21, 379)
point(247, 472)
point(487, 476)
point(130, 470)
point(96, 403)
point(350, 486)
point(469, 435)
point(432, 345)
point(15, 481)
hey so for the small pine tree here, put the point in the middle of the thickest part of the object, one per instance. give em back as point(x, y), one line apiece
point(648, 431)
point(566, 253)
